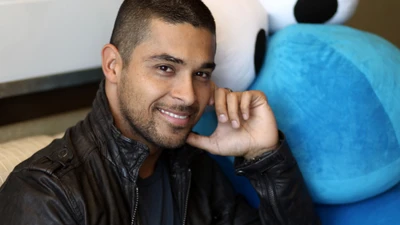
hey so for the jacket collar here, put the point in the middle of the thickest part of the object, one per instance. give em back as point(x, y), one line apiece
point(124, 153)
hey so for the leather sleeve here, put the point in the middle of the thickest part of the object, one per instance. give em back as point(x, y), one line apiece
point(284, 198)
point(34, 197)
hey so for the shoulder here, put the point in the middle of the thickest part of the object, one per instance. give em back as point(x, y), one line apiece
point(38, 182)
point(58, 158)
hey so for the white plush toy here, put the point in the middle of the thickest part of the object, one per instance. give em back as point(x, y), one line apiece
point(285, 12)
point(242, 28)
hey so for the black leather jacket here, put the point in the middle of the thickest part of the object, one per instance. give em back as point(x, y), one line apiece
point(89, 177)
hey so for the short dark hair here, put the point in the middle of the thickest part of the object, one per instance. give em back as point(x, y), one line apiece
point(134, 17)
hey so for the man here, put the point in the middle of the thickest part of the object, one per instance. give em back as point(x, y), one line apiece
point(134, 159)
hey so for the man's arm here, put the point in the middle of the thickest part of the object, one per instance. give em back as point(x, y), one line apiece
point(33, 197)
point(247, 129)
point(284, 198)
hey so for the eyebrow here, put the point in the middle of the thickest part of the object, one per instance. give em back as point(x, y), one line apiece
point(170, 58)
point(208, 65)
point(166, 57)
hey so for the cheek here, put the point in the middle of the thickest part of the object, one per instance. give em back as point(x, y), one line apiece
point(127, 97)
point(133, 92)
point(144, 88)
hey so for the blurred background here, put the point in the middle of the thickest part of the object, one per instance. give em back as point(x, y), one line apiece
point(379, 17)
point(50, 90)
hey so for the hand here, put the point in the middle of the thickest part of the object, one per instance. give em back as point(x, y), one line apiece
point(246, 125)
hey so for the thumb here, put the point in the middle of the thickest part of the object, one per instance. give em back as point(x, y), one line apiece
point(200, 141)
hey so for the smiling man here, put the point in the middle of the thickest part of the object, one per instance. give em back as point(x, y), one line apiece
point(134, 159)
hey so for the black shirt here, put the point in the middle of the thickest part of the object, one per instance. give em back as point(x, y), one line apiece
point(156, 205)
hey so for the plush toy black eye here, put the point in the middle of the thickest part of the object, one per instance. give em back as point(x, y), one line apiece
point(315, 11)
point(260, 50)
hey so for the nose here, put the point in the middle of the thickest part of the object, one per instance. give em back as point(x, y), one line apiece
point(183, 90)
point(315, 11)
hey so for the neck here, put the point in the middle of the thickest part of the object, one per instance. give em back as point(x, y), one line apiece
point(149, 165)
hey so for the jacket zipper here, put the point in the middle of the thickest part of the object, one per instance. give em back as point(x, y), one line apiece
point(273, 202)
point(136, 207)
point(187, 197)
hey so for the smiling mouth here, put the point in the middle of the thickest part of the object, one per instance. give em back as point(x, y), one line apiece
point(182, 117)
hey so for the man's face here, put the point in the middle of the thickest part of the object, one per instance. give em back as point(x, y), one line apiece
point(166, 86)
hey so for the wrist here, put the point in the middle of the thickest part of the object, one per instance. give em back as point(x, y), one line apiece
point(252, 155)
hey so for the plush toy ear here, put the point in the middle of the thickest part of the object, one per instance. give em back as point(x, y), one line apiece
point(287, 12)
point(242, 26)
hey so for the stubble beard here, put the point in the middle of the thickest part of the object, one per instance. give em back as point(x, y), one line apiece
point(148, 129)
point(148, 132)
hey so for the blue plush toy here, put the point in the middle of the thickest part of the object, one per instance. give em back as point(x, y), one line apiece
point(335, 92)
point(383, 209)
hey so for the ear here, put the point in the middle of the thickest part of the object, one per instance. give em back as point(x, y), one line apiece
point(111, 63)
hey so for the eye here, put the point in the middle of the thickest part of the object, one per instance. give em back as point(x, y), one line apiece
point(260, 50)
point(203, 75)
point(315, 11)
point(165, 68)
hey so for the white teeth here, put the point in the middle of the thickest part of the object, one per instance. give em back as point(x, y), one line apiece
point(173, 115)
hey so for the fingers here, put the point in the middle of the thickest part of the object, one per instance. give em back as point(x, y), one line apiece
point(227, 106)
point(221, 104)
point(235, 107)
point(245, 105)
point(212, 90)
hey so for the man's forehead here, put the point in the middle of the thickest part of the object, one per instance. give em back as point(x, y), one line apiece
point(181, 42)
point(160, 25)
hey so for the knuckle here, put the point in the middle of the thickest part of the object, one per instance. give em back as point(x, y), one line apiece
point(231, 95)
point(262, 94)
point(222, 90)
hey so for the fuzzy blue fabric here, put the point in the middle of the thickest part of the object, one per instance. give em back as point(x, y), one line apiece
point(335, 92)
point(383, 209)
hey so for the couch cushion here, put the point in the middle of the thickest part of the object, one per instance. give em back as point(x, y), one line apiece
point(15, 151)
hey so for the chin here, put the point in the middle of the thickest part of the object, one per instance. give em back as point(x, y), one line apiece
point(174, 140)
point(172, 144)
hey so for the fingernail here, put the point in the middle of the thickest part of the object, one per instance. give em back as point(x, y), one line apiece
point(222, 118)
point(245, 116)
point(235, 124)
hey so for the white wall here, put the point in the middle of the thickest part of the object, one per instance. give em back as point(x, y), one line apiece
point(47, 37)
